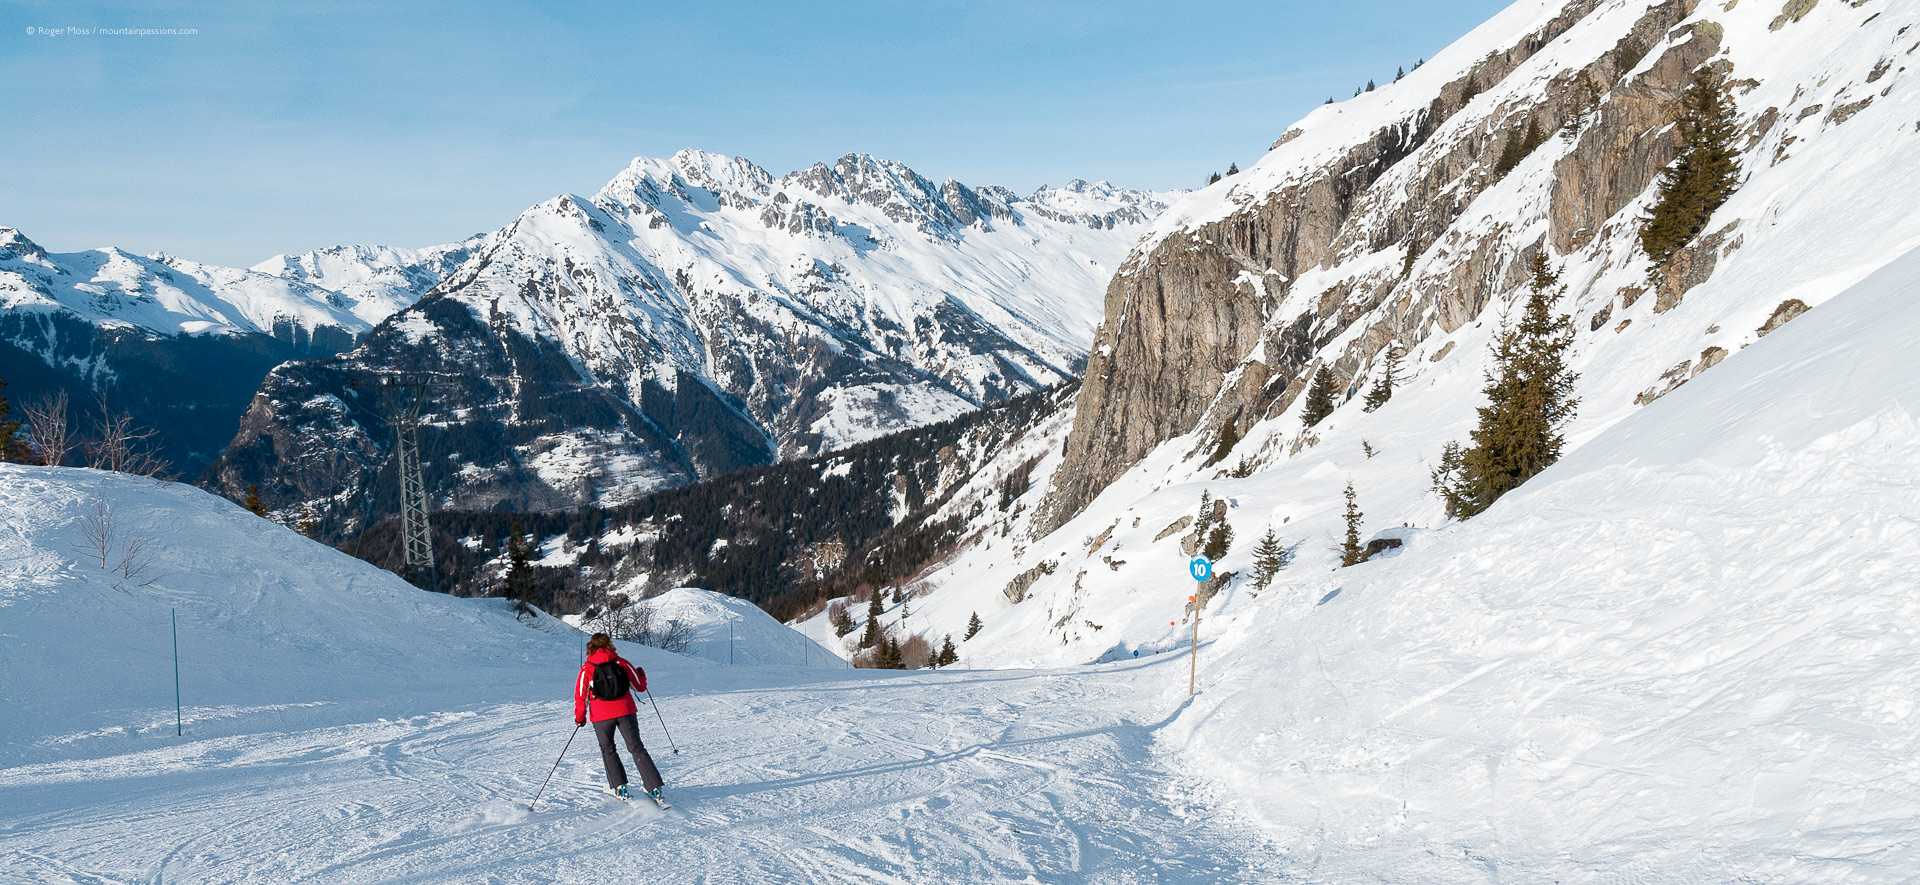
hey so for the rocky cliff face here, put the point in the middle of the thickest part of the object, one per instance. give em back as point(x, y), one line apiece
point(1383, 219)
point(694, 316)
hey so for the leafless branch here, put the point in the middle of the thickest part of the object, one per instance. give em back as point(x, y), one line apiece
point(48, 430)
point(98, 529)
point(128, 555)
point(639, 622)
point(135, 559)
point(123, 446)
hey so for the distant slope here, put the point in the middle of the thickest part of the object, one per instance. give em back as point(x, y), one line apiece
point(728, 630)
point(785, 537)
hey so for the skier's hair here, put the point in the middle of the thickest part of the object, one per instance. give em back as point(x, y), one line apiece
point(599, 641)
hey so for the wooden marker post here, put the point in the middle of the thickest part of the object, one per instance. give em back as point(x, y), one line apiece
point(1201, 568)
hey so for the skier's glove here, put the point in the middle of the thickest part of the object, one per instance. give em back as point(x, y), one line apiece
point(579, 723)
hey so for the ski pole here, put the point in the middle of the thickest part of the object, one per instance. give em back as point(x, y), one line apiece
point(663, 721)
point(556, 766)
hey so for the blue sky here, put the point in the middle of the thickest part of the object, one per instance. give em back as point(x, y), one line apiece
point(283, 126)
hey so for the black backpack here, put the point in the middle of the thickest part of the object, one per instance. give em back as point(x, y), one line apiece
point(610, 681)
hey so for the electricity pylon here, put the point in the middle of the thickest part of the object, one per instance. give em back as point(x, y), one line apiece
point(405, 394)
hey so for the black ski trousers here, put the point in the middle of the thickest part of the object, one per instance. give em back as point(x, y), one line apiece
point(629, 726)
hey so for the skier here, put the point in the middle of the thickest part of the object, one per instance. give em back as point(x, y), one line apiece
point(605, 688)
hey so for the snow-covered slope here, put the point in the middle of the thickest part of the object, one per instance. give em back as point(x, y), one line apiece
point(728, 630)
point(1688, 652)
point(271, 624)
point(341, 726)
point(1682, 654)
point(697, 315)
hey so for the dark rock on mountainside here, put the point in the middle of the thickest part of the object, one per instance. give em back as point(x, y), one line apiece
point(190, 390)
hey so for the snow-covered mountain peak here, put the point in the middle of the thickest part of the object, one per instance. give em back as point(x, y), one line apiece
point(718, 316)
point(857, 196)
point(1099, 204)
point(163, 295)
point(372, 281)
point(14, 245)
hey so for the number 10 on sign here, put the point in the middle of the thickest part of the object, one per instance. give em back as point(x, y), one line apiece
point(1201, 568)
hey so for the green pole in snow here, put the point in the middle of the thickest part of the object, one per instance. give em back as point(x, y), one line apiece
point(179, 728)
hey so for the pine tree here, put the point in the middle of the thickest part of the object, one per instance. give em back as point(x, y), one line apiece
point(948, 654)
point(1233, 168)
point(1204, 520)
point(1229, 437)
point(1214, 178)
point(1529, 399)
point(873, 636)
point(519, 581)
point(1219, 542)
point(973, 627)
point(887, 655)
point(1520, 143)
point(1586, 97)
point(1399, 73)
point(1382, 389)
point(253, 504)
point(897, 597)
point(1319, 398)
point(1269, 557)
point(842, 621)
point(1448, 481)
point(12, 447)
point(1470, 88)
point(309, 525)
point(1369, 85)
point(1703, 176)
point(1351, 553)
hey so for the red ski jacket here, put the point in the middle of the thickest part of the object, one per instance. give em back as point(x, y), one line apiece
point(604, 710)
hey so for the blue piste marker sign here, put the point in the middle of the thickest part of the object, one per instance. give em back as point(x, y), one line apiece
point(1201, 568)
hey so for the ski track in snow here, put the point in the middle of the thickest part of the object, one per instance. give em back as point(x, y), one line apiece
point(783, 775)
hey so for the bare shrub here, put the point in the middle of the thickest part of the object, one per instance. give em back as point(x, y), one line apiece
point(915, 653)
point(100, 533)
point(133, 562)
point(122, 446)
point(640, 622)
point(128, 555)
point(48, 431)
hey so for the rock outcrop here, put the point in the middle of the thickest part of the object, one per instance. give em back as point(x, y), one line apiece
point(1221, 315)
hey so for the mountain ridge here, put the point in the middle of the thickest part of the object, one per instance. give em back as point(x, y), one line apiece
point(702, 315)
